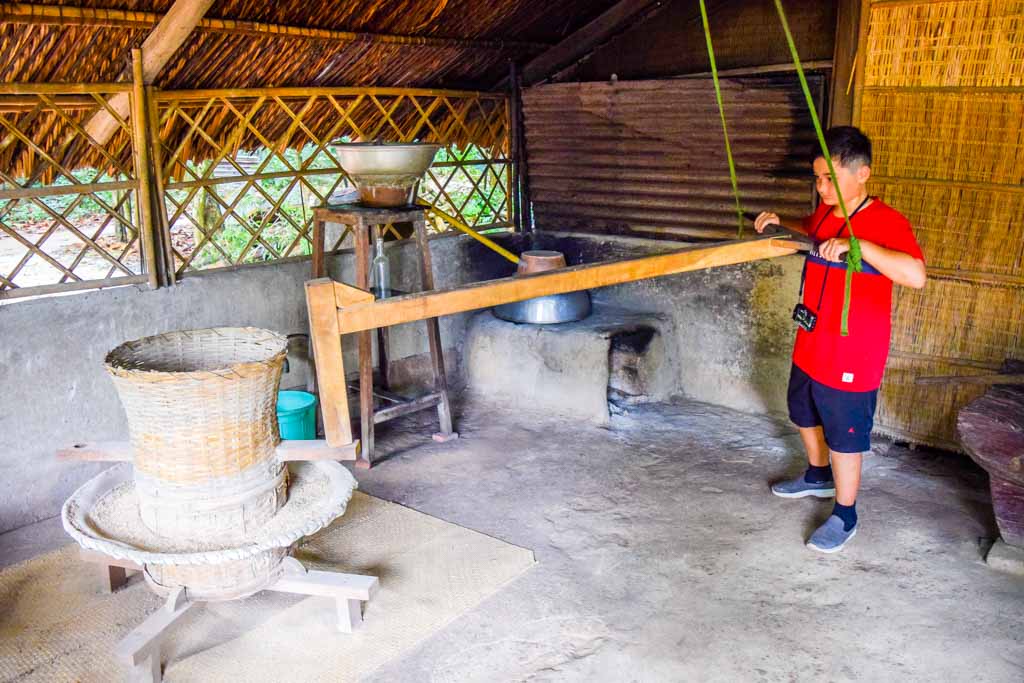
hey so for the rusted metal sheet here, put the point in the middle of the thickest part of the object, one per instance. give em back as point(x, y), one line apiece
point(647, 157)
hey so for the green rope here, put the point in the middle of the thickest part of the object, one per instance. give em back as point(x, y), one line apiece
point(721, 113)
point(853, 257)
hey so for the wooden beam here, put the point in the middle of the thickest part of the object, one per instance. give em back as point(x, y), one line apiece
point(971, 379)
point(584, 40)
point(367, 315)
point(290, 451)
point(158, 48)
point(55, 15)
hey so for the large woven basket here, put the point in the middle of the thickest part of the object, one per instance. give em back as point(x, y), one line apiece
point(201, 407)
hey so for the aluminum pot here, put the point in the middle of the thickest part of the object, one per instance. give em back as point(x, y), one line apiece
point(385, 173)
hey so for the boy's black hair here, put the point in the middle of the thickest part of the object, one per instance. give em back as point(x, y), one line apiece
point(849, 145)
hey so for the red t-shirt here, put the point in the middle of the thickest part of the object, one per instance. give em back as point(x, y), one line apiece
point(855, 362)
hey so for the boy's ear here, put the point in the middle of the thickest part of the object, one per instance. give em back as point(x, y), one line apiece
point(863, 173)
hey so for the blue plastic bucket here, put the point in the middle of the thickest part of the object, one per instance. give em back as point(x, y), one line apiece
point(296, 415)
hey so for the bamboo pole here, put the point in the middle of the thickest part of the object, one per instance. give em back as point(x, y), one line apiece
point(21, 292)
point(56, 190)
point(459, 225)
point(305, 93)
point(55, 15)
point(63, 88)
point(141, 136)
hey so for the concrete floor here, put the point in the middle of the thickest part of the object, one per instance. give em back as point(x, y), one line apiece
point(662, 556)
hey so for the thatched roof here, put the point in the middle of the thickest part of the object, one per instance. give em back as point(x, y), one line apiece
point(448, 44)
point(89, 47)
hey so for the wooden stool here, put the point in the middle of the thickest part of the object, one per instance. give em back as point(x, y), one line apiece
point(364, 221)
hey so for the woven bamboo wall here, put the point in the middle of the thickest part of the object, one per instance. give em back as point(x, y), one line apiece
point(943, 101)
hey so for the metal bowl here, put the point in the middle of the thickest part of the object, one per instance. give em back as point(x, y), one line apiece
point(547, 310)
point(385, 173)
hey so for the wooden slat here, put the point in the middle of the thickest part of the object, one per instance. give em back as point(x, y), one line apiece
point(330, 369)
point(397, 310)
point(289, 451)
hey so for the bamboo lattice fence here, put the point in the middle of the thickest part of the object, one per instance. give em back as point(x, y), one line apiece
point(236, 172)
point(943, 101)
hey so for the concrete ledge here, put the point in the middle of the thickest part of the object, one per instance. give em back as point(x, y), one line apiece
point(561, 369)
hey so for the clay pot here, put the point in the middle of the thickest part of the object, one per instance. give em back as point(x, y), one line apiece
point(539, 261)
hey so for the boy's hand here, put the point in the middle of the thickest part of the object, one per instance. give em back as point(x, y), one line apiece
point(833, 249)
point(764, 219)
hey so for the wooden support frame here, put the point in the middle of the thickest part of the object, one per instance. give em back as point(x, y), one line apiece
point(337, 309)
point(140, 650)
point(583, 41)
point(287, 451)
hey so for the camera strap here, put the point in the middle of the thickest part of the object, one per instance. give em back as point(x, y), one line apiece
point(828, 264)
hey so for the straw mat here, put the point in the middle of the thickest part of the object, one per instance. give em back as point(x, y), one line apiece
point(55, 625)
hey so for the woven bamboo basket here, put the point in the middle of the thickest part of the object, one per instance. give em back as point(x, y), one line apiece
point(201, 407)
point(228, 580)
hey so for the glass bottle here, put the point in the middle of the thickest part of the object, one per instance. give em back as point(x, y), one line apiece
point(381, 270)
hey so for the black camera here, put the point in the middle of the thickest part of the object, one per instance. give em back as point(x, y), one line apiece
point(805, 317)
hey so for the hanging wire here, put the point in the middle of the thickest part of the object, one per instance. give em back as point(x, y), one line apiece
point(853, 256)
point(721, 113)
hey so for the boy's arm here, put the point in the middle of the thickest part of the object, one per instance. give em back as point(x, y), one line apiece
point(898, 266)
point(767, 218)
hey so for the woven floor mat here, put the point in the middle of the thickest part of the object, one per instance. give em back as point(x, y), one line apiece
point(55, 625)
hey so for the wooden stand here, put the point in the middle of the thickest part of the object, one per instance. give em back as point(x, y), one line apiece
point(366, 223)
point(140, 649)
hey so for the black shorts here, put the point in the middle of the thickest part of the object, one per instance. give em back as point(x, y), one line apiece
point(846, 417)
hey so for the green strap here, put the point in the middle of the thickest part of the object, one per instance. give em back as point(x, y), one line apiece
point(721, 113)
point(853, 257)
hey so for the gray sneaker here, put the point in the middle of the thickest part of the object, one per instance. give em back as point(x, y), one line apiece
point(830, 536)
point(798, 488)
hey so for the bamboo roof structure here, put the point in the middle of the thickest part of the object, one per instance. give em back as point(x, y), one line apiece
point(260, 44)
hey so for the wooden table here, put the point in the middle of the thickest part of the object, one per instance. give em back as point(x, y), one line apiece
point(367, 222)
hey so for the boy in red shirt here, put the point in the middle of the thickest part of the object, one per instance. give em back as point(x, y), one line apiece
point(833, 385)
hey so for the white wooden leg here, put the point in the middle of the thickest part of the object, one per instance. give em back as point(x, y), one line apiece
point(140, 649)
point(350, 614)
point(348, 590)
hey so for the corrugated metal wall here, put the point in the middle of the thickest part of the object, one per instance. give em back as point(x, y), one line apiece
point(943, 101)
point(648, 158)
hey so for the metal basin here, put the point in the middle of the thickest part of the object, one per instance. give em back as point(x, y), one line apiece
point(385, 173)
point(547, 310)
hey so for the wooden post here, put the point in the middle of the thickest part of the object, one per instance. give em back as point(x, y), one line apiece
point(330, 367)
point(513, 129)
point(861, 60)
point(444, 409)
point(521, 182)
point(140, 143)
point(160, 209)
point(844, 56)
point(362, 237)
